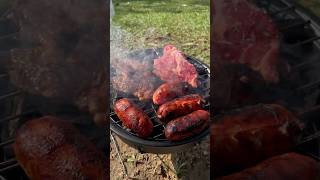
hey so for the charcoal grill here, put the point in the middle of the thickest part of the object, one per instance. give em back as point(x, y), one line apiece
point(300, 47)
point(17, 107)
point(157, 143)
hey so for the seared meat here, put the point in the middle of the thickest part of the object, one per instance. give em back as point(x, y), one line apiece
point(244, 34)
point(68, 62)
point(179, 107)
point(249, 135)
point(168, 91)
point(187, 126)
point(134, 77)
point(49, 148)
point(290, 166)
point(173, 67)
point(133, 117)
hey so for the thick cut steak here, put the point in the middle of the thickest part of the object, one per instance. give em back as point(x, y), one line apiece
point(173, 67)
point(244, 34)
point(63, 52)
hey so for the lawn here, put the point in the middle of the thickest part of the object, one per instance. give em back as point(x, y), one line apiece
point(313, 5)
point(153, 23)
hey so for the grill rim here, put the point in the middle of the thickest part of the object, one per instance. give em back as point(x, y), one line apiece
point(160, 147)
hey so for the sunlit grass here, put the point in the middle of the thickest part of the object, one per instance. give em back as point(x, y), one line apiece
point(154, 23)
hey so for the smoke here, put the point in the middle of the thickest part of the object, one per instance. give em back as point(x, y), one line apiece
point(131, 65)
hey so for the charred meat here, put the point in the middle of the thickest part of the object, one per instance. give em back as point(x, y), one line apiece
point(246, 136)
point(187, 126)
point(63, 54)
point(173, 67)
point(49, 148)
point(245, 34)
point(290, 166)
point(179, 107)
point(134, 77)
point(169, 91)
point(133, 117)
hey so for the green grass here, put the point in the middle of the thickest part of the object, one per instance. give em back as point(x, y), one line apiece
point(153, 23)
point(313, 5)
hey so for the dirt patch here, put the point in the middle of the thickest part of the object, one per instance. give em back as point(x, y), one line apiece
point(190, 164)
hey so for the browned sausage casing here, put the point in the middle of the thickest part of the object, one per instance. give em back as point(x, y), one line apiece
point(290, 166)
point(169, 91)
point(179, 107)
point(48, 148)
point(249, 135)
point(187, 126)
point(133, 117)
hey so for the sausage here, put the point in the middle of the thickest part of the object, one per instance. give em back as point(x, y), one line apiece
point(48, 148)
point(290, 166)
point(169, 91)
point(249, 135)
point(187, 126)
point(133, 117)
point(179, 107)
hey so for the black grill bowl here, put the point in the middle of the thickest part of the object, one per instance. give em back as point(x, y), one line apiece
point(157, 143)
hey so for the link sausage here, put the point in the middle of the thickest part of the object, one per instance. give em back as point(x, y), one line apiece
point(169, 91)
point(187, 126)
point(179, 107)
point(290, 166)
point(249, 135)
point(133, 117)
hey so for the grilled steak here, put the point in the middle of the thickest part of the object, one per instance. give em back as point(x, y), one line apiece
point(134, 77)
point(246, 136)
point(64, 52)
point(244, 34)
point(48, 148)
point(173, 67)
point(290, 166)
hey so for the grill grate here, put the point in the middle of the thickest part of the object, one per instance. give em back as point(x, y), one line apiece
point(150, 109)
point(300, 19)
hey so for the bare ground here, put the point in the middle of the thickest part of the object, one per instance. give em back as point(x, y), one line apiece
point(190, 164)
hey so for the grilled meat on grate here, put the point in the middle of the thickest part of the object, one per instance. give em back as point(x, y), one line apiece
point(49, 148)
point(173, 67)
point(68, 62)
point(246, 136)
point(134, 77)
point(290, 166)
point(253, 41)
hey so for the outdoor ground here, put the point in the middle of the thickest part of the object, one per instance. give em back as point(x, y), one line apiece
point(153, 23)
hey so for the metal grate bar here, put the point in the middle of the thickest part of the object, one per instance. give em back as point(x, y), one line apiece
point(309, 86)
point(305, 42)
point(8, 162)
point(298, 66)
point(156, 136)
point(4, 75)
point(8, 36)
point(2, 170)
point(10, 95)
point(5, 143)
point(295, 25)
point(286, 9)
point(16, 116)
point(314, 136)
